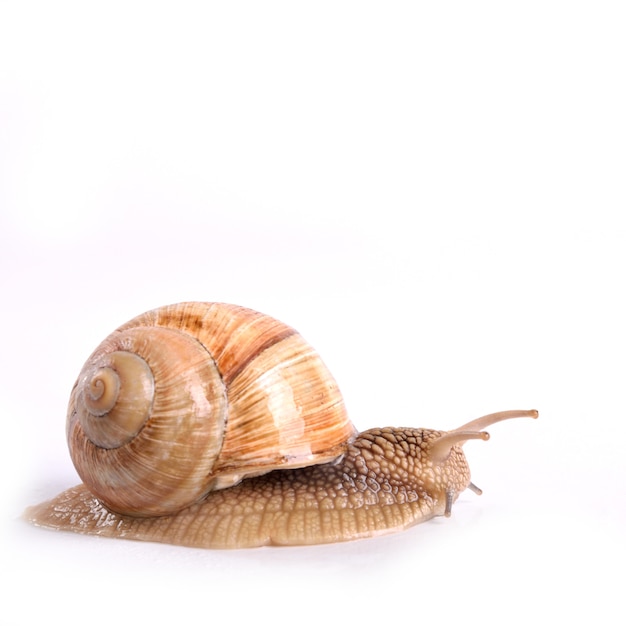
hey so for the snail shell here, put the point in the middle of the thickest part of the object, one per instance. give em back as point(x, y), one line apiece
point(211, 425)
point(194, 397)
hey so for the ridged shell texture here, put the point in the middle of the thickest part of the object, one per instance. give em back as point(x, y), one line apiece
point(195, 396)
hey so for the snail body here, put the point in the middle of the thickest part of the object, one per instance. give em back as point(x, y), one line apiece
point(211, 425)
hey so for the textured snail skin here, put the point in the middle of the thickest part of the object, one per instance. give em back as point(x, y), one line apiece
point(382, 484)
point(386, 481)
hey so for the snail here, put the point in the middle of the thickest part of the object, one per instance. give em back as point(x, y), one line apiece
point(211, 425)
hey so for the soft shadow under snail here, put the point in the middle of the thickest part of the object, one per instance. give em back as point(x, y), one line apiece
point(215, 426)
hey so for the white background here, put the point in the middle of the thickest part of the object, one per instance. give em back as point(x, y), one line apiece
point(432, 193)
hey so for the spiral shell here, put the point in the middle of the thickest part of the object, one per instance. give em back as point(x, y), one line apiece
point(194, 397)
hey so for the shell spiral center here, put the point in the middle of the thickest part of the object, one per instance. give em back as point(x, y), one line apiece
point(117, 395)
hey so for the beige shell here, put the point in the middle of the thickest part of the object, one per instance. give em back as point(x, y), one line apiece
point(194, 397)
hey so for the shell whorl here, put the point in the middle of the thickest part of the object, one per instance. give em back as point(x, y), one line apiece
point(112, 412)
point(194, 397)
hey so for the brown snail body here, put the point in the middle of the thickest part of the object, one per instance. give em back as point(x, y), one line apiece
point(279, 462)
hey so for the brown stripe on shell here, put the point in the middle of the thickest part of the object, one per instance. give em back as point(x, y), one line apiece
point(232, 334)
point(285, 410)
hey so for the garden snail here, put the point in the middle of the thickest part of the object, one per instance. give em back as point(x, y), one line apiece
point(211, 425)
